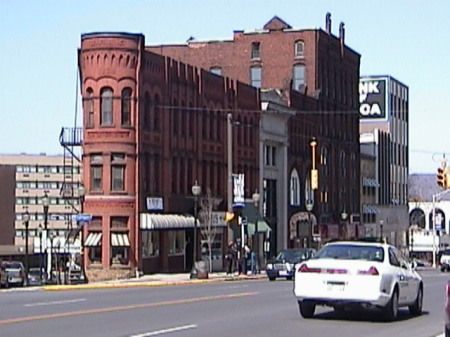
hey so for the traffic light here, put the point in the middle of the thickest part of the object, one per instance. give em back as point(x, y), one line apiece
point(442, 177)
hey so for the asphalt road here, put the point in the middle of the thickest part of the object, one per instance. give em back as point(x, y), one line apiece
point(242, 308)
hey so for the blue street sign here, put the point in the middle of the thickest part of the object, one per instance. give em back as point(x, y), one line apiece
point(83, 217)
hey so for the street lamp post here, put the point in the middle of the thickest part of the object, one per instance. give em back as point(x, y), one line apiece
point(196, 190)
point(381, 231)
point(344, 216)
point(256, 197)
point(82, 194)
point(39, 231)
point(26, 219)
point(309, 207)
point(45, 204)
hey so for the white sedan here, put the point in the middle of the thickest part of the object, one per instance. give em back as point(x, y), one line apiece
point(368, 275)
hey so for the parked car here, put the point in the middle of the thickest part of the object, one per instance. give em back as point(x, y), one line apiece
point(447, 310)
point(3, 277)
point(36, 277)
point(358, 275)
point(283, 264)
point(16, 272)
point(444, 261)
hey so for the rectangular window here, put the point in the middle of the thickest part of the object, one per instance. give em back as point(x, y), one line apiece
point(255, 77)
point(120, 256)
point(117, 178)
point(150, 243)
point(96, 178)
point(95, 254)
point(119, 222)
point(299, 77)
point(176, 242)
point(256, 54)
point(118, 172)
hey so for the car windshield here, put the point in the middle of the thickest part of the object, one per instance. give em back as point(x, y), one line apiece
point(293, 255)
point(33, 271)
point(11, 265)
point(351, 252)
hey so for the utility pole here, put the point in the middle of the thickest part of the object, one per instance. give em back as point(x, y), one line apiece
point(230, 161)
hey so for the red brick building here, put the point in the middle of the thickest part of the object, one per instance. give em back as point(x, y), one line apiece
point(318, 74)
point(154, 126)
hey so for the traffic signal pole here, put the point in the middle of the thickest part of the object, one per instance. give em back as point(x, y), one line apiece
point(436, 198)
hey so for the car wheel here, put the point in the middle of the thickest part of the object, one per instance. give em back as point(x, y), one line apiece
point(289, 277)
point(306, 309)
point(391, 309)
point(271, 278)
point(416, 308)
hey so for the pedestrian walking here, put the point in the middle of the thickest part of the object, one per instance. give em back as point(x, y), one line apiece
point(230, 258)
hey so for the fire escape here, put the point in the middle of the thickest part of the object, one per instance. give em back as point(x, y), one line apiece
point(71, 139)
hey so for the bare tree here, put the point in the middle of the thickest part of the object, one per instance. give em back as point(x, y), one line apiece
point(208, 204)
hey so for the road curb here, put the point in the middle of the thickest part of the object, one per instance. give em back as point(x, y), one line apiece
point(136, 284)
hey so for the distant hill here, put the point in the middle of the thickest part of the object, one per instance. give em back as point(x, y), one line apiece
point(422, 186)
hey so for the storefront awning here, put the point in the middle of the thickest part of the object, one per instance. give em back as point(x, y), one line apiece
point(263, 227)
point(120, 240)
point(166, 221)
point(93, 239)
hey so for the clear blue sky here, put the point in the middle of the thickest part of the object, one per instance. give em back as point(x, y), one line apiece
point(407, 39)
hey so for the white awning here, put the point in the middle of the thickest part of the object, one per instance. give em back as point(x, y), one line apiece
point(120, 240)
point(93, 239)
point(166, 221)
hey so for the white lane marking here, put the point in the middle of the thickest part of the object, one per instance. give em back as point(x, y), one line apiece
point(165, 331)
point(55, 302)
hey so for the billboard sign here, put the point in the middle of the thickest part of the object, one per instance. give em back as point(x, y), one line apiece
point(373, 99)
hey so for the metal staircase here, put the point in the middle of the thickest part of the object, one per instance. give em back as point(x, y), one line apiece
point(70, 139)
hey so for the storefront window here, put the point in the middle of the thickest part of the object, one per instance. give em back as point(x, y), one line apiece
point(95, 254)
point(150, 243)
point(120, 256)
point(176, 242)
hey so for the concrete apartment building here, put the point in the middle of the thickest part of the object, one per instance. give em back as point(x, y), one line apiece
point(384, 115)
point(24, 181)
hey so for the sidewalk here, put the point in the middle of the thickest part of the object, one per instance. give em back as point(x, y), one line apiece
point(155, 280)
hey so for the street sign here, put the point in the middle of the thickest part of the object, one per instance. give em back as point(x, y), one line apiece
point(244, 221)
point(83, 217)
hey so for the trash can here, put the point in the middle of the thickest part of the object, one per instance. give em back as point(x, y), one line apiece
point(202, 269)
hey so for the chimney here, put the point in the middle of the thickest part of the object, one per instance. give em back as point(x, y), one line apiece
point(328, 23)
point(342, 37)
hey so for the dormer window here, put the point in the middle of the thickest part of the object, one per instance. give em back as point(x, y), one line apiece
point(299, 49)
point(256, 54)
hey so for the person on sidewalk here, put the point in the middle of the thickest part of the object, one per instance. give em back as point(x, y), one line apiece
point(230, 258)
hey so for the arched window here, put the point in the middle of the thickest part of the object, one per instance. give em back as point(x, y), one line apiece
point(147, 108)
point(126, 106)
point(157, 115)
point(89, 104)
point(299, 49)
point(294, 188)
point(106, 106)
point(343, 164)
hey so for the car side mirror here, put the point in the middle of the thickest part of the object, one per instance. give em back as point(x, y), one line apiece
point(414, 265)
